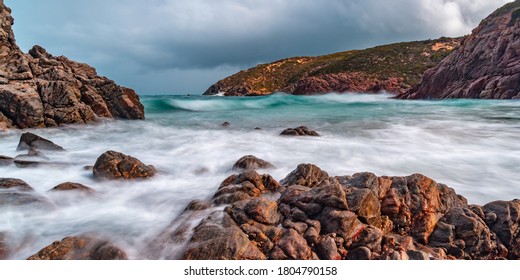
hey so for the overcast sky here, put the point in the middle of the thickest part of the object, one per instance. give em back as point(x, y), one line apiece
point(184, 46)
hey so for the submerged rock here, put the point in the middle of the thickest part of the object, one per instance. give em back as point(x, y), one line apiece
point(251, 163)
point(73, 187)
point(80, 248)
point(299, 131)
point(33, 142)
point(15, 184)
point(113, 165)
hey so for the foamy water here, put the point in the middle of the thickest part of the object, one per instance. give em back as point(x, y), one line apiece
point(472, 146)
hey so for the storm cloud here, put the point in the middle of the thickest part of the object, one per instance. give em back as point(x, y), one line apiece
point(179, 46)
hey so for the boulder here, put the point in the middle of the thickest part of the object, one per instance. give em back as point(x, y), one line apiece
point(15, 193)
point(76, 187)
point(15, 184)
point(30, 141)
point(113, 165)
point(503, 218)
point(4, 160)
point(299, 131)
point(251, 163)
point(307, 175)
point(80, 248)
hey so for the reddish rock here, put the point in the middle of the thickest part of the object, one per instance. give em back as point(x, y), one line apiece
point(113, 165)
point(251, 163)
point(15, 184)
point(503, 218)
point(291, 246)
point(73, 187)
point(40, 90)
point(263, 211)
point(299, 131)
point(30, 141)
point(485, 66)
point(80, 248)
point(307, 175)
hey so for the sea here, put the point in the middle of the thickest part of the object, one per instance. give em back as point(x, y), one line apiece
point(471, 145)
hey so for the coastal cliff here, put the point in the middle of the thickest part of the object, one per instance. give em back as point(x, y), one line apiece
point(41, 90)
point(392, 68)
point(486, 66)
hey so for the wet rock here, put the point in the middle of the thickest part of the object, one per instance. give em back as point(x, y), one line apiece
point(15, 184)
point(326, 249)
point(198, 205)
point(6, 160)
point(360, 253)
point(366, 205)
point(80, 248)
point(331, 194)
point(73, 187)
point(225, 124)
point(263, 211)
point(307, 175)
point(343, 223)
point(218, 237)
point(246, 185)
point(299, 131)
point(251, 163)
point(30, 141)
point(113, 165)
point(503, 218)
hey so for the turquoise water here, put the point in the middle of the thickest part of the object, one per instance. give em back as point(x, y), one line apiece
point(470, 145)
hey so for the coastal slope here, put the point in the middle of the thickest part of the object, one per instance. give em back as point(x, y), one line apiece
point(486, 66)
point(41, 90)
point(392, 68)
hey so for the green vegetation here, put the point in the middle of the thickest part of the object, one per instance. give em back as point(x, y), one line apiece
point(402, 60)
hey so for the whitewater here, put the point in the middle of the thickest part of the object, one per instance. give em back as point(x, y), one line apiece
point(470, 145)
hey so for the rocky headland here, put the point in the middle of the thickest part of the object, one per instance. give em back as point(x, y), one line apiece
point(393, 68)
point(485, 66)
point(40, 90)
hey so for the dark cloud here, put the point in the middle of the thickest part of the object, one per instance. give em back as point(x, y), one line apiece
point(180, 41)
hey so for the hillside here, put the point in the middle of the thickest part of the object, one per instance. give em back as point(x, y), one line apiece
point(393, 68)
point(486, 66)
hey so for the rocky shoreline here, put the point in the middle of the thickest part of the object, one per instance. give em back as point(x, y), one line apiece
point(308, 215)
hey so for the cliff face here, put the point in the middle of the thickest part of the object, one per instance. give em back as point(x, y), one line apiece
point(486, 66)
point(393, 68)
point(40, 90)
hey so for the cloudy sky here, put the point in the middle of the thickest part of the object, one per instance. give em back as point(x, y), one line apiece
point(184, 46)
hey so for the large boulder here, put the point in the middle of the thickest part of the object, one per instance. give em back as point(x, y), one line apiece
point(80, 248)
point(40, 90)
point(115, 165)
point(503, 218)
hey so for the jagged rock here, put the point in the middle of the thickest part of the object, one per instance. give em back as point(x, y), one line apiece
point(291, 246)
point(251, 163)
point(307, 175)
point(218, 237)
point(113, 165)
point(73, 187)
point(6, 160)
point(247, 185)
point(299, 131)
point(30, 141)
point(503, 218)
point(80, 248)
point(40, 90)
point(486, 65)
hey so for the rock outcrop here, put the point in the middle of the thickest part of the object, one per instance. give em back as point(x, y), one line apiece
point(80, 248)
point(311, 215)
point(251, 163)
point(41, 90)
point(486, 66)
point(300, 131)
point(30, 141)
point(393, 68)
point(114, 165)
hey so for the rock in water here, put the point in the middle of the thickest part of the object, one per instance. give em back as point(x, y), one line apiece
point(40, 90)
point(15, 184)
point(73, 187)
point(114, 165)
point(80, 248)
point(30, 141)
point(299, 131)
point(251, 163)
point(486, 66)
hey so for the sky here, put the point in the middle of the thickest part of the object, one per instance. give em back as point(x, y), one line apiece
point(184, 46)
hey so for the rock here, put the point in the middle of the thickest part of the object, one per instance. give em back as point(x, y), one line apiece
point(503, 218)
point(299, 131)
point(32, 155)
point(4, 248)
point(251, 163)
point(198, 205)
point(113, 165)
point(485, 66)
point(263, 211)
point(343, 223)
point(291, 246)
point(80, 248)
point(227, 242)
point(247, 185)
point(40, 90)
point(15, 184)
point(4, 161)
point(225, 124)
point(30, 141)
point(73, 187)
point(366, 205)
point(307, 175)
point(360, 253)
point(462, 232)
point(326, 249)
